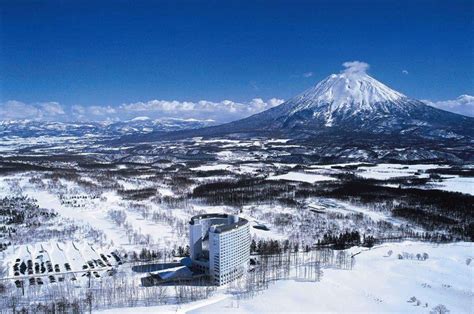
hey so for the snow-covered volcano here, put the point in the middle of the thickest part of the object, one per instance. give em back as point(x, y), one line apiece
point(348, 94)
point(353, 101)
point(349, 113)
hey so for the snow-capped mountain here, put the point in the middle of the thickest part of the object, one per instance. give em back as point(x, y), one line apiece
point(353, 102)
point(348, 113)
point(139, 125)
point(345, 95)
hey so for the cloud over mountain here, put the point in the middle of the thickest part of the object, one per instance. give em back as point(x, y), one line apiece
point(464, 105)
point(223, 111)
point(355, 67)
point(14, 109)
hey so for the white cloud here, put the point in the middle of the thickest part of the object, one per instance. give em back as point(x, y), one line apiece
point(14, 109)
point(101, 110)
point(405, 72)
point(464, 105)
point(78, 110)
point(302, 75)
point(223, 111)
point(275, 102)
point(51, 108)
point(352, 67)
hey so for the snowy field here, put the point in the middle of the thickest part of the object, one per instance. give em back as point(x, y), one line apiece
point(379, 282)
point(388, 171)
point(330, 205)
point(239, 169)
point(391, 171)
point(302, 177)
point(95, 213)
point(455, 184)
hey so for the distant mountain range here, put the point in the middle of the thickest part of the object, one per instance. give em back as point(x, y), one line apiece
point(346, 112)
point(348, 102)
point(139, 125)
point(352, 110)
point(351, 103)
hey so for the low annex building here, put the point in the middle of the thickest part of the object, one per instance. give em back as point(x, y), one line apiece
point(220, 245)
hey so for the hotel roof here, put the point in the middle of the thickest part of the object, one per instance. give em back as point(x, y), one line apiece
point(220, 228)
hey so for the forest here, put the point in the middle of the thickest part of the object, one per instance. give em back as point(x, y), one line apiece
point(432, 209)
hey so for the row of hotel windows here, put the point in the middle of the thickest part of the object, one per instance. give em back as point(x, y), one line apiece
point(224, 278)
point(236, 239)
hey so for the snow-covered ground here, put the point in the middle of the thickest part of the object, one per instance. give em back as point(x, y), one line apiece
point(213, 167)
point(379, 282)
point(240, 169)
point(388, 171)
point(455, 184)
point(95, 214)
point(392, 171)
point(302, 177)
point(332, 205)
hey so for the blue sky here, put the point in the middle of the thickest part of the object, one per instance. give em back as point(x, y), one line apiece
point(108, 53)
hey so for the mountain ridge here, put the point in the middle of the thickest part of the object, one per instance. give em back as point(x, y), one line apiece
point(350, 110)
point(320, 109)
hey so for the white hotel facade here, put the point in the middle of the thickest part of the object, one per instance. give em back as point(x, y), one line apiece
point(220, 245)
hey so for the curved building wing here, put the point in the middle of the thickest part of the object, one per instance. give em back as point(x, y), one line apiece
point(220, 245)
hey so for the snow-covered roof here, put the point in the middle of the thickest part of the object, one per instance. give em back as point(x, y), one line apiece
point(173, 273)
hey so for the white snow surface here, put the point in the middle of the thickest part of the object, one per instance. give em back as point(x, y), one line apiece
point(212, 167)
point(455, 184)
point(387, 171)
point(347, 92)
point(378, 283)
point(344, 88)
point(302, 177)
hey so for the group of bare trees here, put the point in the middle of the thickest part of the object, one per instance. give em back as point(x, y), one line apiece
point(117, 291)
point(117, 216)
point(123, 290)
point(418, 256)
point(291, 264)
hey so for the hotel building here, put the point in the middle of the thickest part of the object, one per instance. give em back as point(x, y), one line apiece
point(220, 245)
